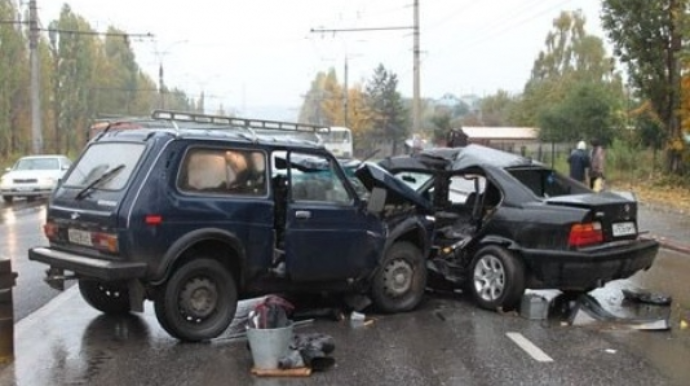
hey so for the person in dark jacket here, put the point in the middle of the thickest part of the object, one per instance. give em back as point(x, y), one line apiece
point(579, 162)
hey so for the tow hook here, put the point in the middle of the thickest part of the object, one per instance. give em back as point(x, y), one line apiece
point(55, 278)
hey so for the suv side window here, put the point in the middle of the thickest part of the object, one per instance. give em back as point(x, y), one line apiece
point(314, 178)
point(223, 171)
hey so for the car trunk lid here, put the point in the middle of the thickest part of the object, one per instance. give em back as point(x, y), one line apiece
point(616, 214)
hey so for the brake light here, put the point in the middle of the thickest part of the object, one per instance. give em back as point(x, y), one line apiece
point(105, 241)
point(585, 234)
point(50, 230)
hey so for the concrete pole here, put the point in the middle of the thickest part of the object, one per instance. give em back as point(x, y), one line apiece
point(36, 130)
point(416, 107)
point(346, 97)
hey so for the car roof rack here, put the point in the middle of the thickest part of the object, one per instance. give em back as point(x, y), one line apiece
point(226, 122)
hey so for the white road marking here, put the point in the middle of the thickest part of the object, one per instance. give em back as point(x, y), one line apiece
point(529, 347)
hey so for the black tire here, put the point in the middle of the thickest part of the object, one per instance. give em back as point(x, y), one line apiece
point(399, 282)
point(7, 199)
point(111, 298)
point(497, 278)
point(198, 301)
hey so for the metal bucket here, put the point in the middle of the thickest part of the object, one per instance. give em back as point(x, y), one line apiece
point(269, 345)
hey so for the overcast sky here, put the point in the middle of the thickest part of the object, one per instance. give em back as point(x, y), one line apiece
point(248, 54)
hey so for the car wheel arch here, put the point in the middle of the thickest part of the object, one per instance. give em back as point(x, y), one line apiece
point(410, 230)
point(199, 241)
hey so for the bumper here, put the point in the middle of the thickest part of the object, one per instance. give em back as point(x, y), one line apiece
point(27, 192)
point(587, 269)
point(88, 267)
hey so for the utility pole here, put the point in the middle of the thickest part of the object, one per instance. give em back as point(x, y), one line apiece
point(346, 96)
point(36, 131)
point(161, 86)
point(416, 107)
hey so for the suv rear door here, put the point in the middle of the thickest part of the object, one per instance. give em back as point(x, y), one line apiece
point(83, 212)
point(328, 234)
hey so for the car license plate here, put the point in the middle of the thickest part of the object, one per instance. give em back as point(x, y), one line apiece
point(623, 229)
point(80, 237)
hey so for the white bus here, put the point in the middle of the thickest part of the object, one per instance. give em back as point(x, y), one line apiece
point(338, 141)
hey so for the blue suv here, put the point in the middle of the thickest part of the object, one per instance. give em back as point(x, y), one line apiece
point(195, 212)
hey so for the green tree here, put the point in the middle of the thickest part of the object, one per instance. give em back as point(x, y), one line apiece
point(647, 36)
point(14, 84)
point(389, 117)
point(571, 57)
point(496, 109)
point(588, 111)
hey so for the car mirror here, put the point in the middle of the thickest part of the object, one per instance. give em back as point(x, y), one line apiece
point(8, 169)
point(65, 167)
point(377, 200)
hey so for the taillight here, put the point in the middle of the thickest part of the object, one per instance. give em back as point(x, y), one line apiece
point(105, 241)
point(50, 230)
point(585, 234)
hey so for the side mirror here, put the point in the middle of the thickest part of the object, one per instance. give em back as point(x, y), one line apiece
point(377, 200)
point(8, 169)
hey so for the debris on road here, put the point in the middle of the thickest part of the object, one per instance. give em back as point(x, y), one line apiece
point(646, 297)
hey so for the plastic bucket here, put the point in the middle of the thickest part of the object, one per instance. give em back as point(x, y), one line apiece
point(269, 345)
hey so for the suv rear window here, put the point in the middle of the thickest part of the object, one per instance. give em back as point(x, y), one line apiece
point(100, 158)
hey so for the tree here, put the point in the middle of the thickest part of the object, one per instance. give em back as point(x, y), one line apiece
point(495, 109)
point(14, 84)
point(571, 57)
point(647, 37)
point(588, 111)
point(388, 115)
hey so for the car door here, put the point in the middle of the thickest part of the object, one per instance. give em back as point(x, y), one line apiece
point(328, 233)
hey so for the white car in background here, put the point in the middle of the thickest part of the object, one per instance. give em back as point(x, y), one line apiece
point(33, 176)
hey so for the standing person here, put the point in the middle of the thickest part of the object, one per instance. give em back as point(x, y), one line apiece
point(598, 163)
point(457, 138)
point(579, 162)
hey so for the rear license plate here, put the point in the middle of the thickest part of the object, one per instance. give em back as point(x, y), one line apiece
point(623, 229)
point(77, 236)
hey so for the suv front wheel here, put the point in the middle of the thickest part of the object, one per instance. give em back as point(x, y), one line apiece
point(400, 280)
point(198, 301)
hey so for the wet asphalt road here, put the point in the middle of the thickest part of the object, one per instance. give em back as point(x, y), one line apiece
point(20, 229)
point(448, 341)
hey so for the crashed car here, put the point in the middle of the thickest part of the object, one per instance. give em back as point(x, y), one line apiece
point(198, 214)
point(505, 223)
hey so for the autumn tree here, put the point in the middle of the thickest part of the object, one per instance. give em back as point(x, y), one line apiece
point(389, 117)
point(323, 103)
point(647, 36)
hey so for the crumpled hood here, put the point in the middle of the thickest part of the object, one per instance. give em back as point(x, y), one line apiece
point(398, 192)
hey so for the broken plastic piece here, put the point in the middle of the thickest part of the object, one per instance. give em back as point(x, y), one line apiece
point(646, 297)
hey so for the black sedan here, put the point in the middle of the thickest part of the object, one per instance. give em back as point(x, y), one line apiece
point(505, 223)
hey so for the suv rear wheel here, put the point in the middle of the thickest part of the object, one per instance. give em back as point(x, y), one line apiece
point(399, 283)
point(198, 301)
point(108, 297)
point(498, 278)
